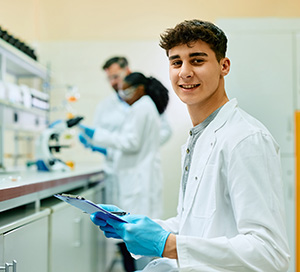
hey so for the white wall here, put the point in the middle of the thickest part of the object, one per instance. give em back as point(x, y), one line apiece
point(79, 63)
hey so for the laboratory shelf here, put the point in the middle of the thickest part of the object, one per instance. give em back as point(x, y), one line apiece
point(19, 64)
point(23, 108)
point(16, 68)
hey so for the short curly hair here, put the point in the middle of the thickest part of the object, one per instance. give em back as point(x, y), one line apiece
point(191, 31)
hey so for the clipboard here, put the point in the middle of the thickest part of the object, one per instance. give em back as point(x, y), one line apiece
point(88, 206)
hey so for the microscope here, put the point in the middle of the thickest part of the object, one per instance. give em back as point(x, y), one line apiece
point(45, 159)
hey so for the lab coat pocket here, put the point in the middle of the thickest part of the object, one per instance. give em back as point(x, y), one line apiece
point(205, 198)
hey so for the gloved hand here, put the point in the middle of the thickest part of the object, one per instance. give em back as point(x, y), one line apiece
point(141, 235)
point(99, 149)
point(88, 131)
point(84, 141)
point(99, 219)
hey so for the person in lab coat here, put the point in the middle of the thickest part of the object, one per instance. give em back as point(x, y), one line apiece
point(231, 208)
point(138, 167)
point(111, 114)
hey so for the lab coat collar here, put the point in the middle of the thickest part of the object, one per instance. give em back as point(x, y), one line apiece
point(204, 148)
point(224, 114)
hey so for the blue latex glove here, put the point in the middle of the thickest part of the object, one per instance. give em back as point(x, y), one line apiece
point(99, 219)
point(99, 149)
point(83, 140)
point(141, 235)
point(88, 131)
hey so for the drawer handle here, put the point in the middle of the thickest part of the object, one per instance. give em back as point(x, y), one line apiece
point(8, 265)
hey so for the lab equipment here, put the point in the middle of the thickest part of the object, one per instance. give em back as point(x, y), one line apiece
point(141, 235)
point(18, 44)
point(89, 207)
point(39, 100)
point(45, 160)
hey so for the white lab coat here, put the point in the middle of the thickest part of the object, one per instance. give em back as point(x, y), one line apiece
point(138, 166)
point(232, 218)
point(111, 114)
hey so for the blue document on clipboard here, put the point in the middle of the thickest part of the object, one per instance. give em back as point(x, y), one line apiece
point(88, 206)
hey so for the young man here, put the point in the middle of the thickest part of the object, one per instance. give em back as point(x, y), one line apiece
point(231, 208)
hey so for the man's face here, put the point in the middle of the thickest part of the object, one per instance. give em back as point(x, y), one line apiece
point(196, 74)
point(115, 75)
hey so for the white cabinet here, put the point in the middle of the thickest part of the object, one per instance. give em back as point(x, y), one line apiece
point(76, 244)
point(57, 238)
point(25, 241)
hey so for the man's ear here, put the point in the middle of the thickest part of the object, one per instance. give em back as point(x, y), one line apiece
point(225, 66)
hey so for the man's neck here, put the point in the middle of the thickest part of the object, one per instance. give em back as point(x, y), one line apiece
point(198, 113)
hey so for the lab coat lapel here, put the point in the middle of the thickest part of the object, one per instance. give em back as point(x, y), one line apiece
point(202, 152)
point(200, 158)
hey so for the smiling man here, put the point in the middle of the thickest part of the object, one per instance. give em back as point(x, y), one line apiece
point(198, 78)
point(231, 208)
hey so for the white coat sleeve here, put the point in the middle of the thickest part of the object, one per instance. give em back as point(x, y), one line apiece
point(171, 224)
point(130, 138)
point(165, 129)
point(255, 189)
point(99, 112)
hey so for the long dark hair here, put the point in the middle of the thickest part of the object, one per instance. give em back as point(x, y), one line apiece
point(153, 87)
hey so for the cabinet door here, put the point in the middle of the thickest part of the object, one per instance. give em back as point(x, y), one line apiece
point(28, 245)
point(74, 242)
point(102, 252)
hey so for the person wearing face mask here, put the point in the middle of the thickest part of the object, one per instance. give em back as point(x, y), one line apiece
point(138, 169)
point(110, 114)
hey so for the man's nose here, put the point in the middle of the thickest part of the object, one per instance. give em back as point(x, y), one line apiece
point(186, 71)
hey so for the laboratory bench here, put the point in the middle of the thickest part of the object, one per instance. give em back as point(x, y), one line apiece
point(40, 233)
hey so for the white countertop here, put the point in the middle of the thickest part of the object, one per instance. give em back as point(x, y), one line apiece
point(25, 186)
point(13, 179)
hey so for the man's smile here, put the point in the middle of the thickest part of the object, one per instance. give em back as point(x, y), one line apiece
point(189, 86)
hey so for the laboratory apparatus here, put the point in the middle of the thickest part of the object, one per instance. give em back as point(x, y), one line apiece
point(45, 159)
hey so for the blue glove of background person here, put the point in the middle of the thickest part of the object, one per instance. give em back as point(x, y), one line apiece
point(88, 131)
point(99, 149)
point(84, 141)
point(141, 235)
point(99, 219)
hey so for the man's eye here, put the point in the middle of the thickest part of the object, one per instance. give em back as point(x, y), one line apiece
point(176, 63)
point(198, 61)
